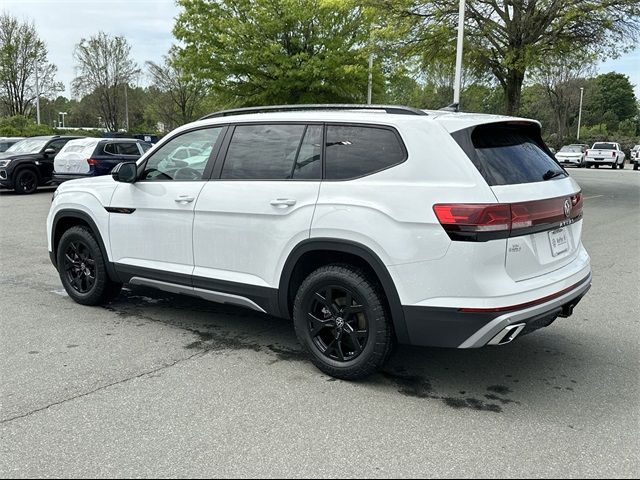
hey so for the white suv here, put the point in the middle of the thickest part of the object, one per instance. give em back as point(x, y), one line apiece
point(367, 225)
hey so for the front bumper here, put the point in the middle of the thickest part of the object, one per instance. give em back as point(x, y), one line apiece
point(461, 328)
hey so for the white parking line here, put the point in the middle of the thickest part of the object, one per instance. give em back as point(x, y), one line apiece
point(593, 196)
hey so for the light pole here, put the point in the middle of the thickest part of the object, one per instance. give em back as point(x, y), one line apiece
point(126, 106)
point(37, 92)
point(580, 112)
point(370, 86)
point(458, 77)
point(62, 114)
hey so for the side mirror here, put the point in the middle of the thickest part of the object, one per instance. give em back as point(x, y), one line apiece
point(50, 151)
point(126, 172)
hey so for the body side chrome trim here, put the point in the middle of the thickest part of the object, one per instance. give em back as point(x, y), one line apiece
point(218, 297)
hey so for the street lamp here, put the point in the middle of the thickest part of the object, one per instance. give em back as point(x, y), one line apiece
point(580, 112)
point(62, 114)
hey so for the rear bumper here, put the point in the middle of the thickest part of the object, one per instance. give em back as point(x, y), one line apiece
point(467, 328)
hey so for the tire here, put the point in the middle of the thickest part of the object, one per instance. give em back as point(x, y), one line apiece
point(26, 182)
point(336, 308)
point(587, 165)
point(597, 165)
point(621, 166)
point(614, 165)
point(80, 260)
point(635, 166)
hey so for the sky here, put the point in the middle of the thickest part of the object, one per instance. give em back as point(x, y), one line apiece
point(147, 25)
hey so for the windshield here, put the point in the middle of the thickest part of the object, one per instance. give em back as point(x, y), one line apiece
point(30, 145)
point(571, 149)
point(604, 146)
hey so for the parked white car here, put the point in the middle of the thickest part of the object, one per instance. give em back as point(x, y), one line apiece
point(635, 157)
point(572, 155)
point(605, 153)
point(366, 225)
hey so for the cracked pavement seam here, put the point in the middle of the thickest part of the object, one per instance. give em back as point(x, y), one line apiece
point(104, 387)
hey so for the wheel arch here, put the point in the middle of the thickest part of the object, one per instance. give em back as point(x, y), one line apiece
point(67, 218)
point(312, 253)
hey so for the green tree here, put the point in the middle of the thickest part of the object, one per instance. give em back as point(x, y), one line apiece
point(509, 38)
point(105, 67)
point(276, 51)
point(610, 99)
point(179, 96)
point(20, 51)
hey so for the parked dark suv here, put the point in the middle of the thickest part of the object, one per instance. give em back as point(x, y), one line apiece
point(92, 157)
point(29, 163)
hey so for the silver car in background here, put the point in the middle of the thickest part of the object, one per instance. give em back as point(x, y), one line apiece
point(572, 155)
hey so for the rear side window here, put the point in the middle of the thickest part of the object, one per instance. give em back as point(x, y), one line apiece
point(263, 152)
point(355, 151)
point(128, 149)
point(111, 149)
point(509, 154)
point(145, 146)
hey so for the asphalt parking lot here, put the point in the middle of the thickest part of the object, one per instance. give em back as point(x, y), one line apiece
point(164, 385)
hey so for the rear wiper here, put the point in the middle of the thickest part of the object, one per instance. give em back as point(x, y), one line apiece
point(552, 174)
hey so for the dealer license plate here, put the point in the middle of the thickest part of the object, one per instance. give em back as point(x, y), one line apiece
point(559, 241)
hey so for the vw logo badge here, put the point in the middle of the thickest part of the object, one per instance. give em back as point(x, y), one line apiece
point(567, 208)
point(339, 322)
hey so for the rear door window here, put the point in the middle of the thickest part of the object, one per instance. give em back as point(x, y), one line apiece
point(509, 154)
point(356, 151)
point(263, 152)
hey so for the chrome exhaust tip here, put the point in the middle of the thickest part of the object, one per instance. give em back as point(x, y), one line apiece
point(508, 334)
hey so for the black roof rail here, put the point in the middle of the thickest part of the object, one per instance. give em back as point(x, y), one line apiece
point(394, 109)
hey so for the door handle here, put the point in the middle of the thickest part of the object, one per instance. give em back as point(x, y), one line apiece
point(283, 202)
point(185, 199)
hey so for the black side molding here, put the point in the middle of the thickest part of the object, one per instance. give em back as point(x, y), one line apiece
point(127, 211)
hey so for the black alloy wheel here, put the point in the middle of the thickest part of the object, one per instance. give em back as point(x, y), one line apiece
point(26, 182)
point(80, 267)
point(337, 322)
point(341, 320)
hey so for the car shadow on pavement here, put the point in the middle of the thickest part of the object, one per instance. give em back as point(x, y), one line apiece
point(536, 369)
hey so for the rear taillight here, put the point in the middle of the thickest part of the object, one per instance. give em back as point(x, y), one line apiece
point(92, 161)
point(483, 222)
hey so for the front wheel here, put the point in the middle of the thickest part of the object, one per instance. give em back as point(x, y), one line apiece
point(635, 166)
point(341, 321)
point(82, 268)
point(26, 182)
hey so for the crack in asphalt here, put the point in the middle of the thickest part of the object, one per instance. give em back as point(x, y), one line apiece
point(103, 387)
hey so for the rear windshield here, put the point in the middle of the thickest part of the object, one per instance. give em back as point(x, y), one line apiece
point(604, 146)
point(508, 154)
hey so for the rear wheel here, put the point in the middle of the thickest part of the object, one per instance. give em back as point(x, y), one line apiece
point(635, 166)
point(597, 165)
point(82, 268)
point(588, 165)
point(26, 182)
point(622, 165)
point(340, 319)
point(614, 165)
